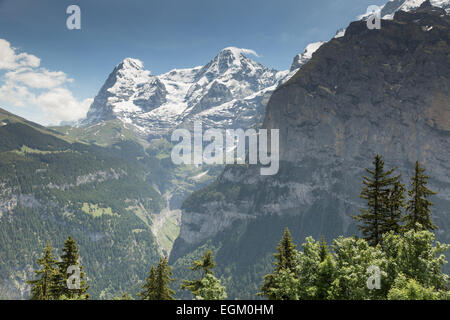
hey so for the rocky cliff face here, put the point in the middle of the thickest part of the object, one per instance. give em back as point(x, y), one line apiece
point(371, 91)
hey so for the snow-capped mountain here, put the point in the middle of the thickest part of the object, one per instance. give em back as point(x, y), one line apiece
point(128, 90)
point(407, 5)
point(302, 58)
point(392, 6)
point(229, 91)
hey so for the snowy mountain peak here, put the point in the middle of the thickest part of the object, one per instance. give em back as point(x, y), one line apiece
point(304, 57)
point(389, 9)
point(129, 90)
point(393, 6)
point(231, 75)
point(234, 53)
point(409, 5)
point(131, 63)
point(129, 70)
point(230, 90)
point(230, 58)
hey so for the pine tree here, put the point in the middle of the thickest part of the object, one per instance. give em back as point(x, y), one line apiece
point(163, 279)
point(202, 266)
point(326, 274)
point(70, 258)
point(323, 251)
point(206, 264)
point(42, 287)
point(396, 203)
point(418, 206)
point(149, 292)
point(376, 191)
point(286, 255)
point(284, 270)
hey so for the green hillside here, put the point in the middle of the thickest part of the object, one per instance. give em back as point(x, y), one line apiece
point(115, 192)
point(53, 186)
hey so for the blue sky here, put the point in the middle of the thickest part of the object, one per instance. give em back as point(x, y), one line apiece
point(164, 34)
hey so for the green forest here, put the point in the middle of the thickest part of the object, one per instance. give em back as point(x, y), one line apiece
point(397, 257)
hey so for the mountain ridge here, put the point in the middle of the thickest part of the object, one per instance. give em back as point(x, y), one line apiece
point(371, 91)
point(231, 85)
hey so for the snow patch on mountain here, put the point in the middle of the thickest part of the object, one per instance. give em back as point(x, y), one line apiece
point(389, 9)
point(229, 91)
point(340, 33)
point(409, 5)
point(304, 57)
point(392, 6)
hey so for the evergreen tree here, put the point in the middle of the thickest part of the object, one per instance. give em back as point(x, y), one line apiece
point(396, 203)
point(326, 274)
point(206, 264)
point(70, 262)
point(149, 292)
point(409, 267)
point(316, 270)
point(418, 206)
point(326, 271)
point(202, 266)
point(42, 287)
point(281, 285)
point(376, 191)
point(285, 270)
point(163, 279)
point(323, 250)
point(286, 256)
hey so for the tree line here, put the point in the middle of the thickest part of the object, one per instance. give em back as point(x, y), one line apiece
point(397, 240)
point(52, 279)
point(387, 206)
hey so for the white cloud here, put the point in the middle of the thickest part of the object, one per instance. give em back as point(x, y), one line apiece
point(40, 79)
point(26, 85)
point(249, 52)
point(10, 60)
point(243, 51)
point(59, 105)
point(15, 95)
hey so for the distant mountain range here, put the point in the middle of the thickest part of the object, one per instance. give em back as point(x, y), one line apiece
point(229, 91)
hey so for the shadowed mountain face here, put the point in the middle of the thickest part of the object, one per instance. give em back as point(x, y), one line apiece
point(371, 91)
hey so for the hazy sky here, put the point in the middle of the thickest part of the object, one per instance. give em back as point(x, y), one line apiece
point(164, 34)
